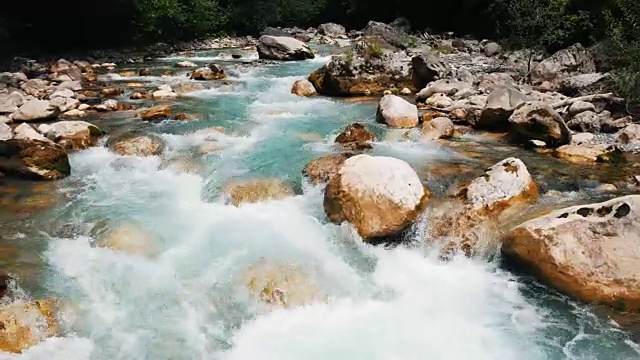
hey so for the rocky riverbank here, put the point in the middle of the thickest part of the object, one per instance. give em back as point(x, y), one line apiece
point(430, 91)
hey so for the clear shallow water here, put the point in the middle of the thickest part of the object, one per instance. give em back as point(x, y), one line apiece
point(188, 301)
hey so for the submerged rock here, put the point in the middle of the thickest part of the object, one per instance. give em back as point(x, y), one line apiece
point(256, 190)
point(130, 238)
point(280, 285)
point(23, 325)
point(211, 72)
point(158, 112)
point(303, 87)
point(283, 48)
point(142, 145)
point(356, 137)
point(321, 170)
point(590, 252)
point(380, 196)
point(33, 160)
point(396, 112)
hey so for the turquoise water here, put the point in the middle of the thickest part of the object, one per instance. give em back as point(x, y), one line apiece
point(188, 301)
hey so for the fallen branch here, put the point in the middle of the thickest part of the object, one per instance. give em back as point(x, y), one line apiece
point(451, 108)
point(587, 98)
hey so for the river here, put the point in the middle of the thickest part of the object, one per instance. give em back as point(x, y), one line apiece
point(187, 301)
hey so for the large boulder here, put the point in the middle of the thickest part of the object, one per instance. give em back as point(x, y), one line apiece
point(332, 29)
point(392, 35)
point(283, 48)
point(397, 112)
point(562, 64)
point(142, 145)
point(37, 160)
point(590, 252)
point(23, 325)
point(501, 103)
point(36, 110)
point(380, 196)
point(468, 226)
point(539, 121)
point(428, 67)
point(239, 192)
point(369, 67)
point(356, 137)
point(303, 87)
point(72, 134)
point(321, 170)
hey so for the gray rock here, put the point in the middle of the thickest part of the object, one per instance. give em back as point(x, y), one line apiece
point(580, 107)
point(444, 86)
point(36, 110)
point(588, 121)
point(283, 48)
point(391, 35)
point(271, 31)
point(63, 67)
point(629, 135)
point(35, 87)
point(26, 132)
point(438, 128)
point(331, 29)
point(10, 102)
point(488, 82)
point(397, 112)
point(610, 125)
point(538, 121)
point(500, 105)
point(5, 132)
point(428, 67)
point(491, 49)
point(585, 84)
point(564, 63)
point(369, 67)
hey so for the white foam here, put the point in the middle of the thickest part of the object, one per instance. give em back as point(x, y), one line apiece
point(460, 310)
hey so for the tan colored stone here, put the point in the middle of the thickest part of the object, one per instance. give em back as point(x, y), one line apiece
point(320, 170)
point(23, 325)
point(130, 238)
point(380, 196)
point(256, 190)
point(280, 285)
point(303, 88)
point(590, 252)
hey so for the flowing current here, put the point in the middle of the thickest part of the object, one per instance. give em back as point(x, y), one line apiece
point(189, 300)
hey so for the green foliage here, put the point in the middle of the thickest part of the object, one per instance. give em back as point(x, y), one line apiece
point(622, 50)
point(373, 50)
point(442, 49)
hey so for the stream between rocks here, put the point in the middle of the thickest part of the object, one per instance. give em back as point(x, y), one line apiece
point(182, 293)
